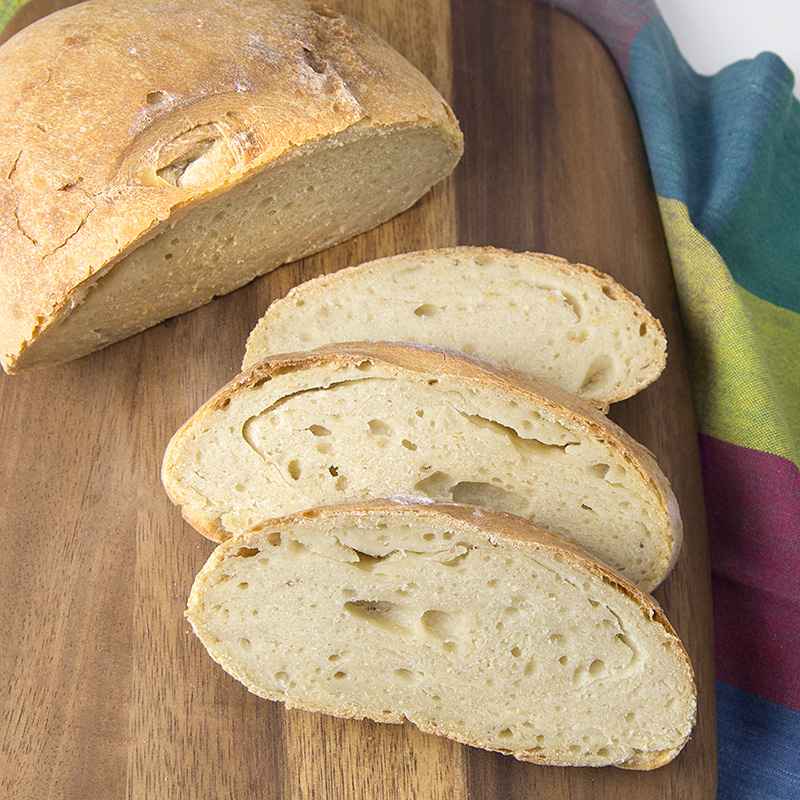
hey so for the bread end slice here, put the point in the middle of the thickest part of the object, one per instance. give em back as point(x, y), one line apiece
point(469, 623)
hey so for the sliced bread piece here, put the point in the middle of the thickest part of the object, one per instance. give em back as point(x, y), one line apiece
point(154, 155)
point(364, 420)
point(538, 313)
point(469, 623)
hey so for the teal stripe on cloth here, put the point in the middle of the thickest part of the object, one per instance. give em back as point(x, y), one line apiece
point(702, 134)
point(760, 242)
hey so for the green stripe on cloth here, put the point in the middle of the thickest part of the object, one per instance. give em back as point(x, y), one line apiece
point(7, 10)
point(742, 350)
point(759, 241)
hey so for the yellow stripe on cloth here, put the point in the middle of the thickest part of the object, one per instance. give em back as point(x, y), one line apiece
point(7, 10)
point(743, 351)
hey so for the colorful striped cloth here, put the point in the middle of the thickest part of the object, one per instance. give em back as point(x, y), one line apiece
point(725, 157)
point(724, 152)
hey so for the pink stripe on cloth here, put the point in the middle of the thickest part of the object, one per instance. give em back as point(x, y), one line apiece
point(753, 507)
point(615, 22)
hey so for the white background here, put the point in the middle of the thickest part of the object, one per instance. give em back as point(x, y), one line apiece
point(714, 33)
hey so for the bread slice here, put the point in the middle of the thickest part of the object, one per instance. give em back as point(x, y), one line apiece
point(364, 420)
point(538, 313)
point(469, 623)
point(154, 155)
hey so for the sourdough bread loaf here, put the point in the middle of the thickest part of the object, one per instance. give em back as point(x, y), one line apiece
point(469, 623)
point(567, 323)
point(154, 155)
point(365, 420)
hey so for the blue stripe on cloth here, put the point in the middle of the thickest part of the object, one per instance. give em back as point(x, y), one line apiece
point(702, 133)
point(759, 747)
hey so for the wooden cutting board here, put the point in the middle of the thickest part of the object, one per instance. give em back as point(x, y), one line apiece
point(105, 691)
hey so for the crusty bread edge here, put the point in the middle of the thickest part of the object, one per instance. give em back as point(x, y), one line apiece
point(498, 528)
point(437, 362)
point(612, 288)
point(79, 264)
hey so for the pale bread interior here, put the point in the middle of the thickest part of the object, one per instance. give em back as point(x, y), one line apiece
point(331, 433)
point(410, 614)
point(537, 313)
point(318, 194)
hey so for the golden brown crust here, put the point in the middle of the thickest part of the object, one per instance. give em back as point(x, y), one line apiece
point(438, 363)
point(496, 527)
point(102, 96)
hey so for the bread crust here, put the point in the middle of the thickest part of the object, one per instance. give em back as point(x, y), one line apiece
point(102, 96)
point(498, 528)
point(314, 291)
point(437, 363)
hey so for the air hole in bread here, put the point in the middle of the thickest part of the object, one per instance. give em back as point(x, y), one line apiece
point(442, 624)
point(319, 430)
point(366, 562)
point(404, 675)
point(598, 470)
point(425, 310)
point(530, 668)
point(293, 467)
point(408, 445)
point(598, 374)
point(379, 428)
point(480, 493)
point(247, 552)
point(436, 485)
point(377, 613)
point(597, 668)
point(458, 560)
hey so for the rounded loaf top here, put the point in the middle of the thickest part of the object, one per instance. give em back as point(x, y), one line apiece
point(116, 114)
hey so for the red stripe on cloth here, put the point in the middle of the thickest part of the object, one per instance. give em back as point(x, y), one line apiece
point(753, 507)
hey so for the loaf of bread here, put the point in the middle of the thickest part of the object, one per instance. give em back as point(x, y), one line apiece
point(472, 624)
point(367, 420)
point(538, 313)
point(154, 155)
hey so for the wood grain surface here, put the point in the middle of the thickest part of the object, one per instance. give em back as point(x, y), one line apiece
point(105, 691)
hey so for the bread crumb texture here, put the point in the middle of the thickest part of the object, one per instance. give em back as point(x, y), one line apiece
point(468, 627)
point(538, 313)
point(334, 427)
